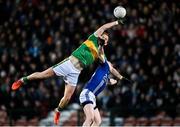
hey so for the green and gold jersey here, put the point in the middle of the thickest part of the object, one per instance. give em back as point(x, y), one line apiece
point(87, 52)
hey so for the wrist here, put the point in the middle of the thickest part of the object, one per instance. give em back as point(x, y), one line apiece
point(120, 21)
point(116, 22)
point(121, 77)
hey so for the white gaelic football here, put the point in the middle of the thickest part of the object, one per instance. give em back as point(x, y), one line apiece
point(119, 12)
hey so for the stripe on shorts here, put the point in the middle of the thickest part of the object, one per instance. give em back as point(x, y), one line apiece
point(86, 95)
point(60, 62)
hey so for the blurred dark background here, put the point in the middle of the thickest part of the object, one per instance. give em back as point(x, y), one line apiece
point(36, 34)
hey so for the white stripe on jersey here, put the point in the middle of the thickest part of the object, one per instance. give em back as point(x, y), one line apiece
point(105, 78)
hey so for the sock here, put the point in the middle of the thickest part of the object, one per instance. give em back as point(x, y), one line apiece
point(24, 80)
point(59, 108)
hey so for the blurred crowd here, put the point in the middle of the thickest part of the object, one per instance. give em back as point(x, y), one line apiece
point(36, 34)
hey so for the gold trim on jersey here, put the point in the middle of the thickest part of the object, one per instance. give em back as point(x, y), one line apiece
point(92, 48)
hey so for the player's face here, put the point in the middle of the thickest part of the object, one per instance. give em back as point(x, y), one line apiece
point(105, 37)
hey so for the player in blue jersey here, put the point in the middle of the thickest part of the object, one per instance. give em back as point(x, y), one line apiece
point(95, 86)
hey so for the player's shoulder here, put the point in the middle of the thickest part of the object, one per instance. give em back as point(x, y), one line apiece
point(93, 37)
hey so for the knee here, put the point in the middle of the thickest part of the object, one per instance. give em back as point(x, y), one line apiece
point(47, 73)
point(98, 122)
point(90, 119)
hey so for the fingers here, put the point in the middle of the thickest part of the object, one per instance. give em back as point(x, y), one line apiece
point(128, 80)
point(113, 81)
point(120, 21)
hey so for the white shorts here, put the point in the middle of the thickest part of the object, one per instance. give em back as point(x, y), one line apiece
point(68, 71)
point(87, 97)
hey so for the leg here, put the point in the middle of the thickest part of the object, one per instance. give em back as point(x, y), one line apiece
point(41, 75)
point(35, 76)
point(47, 73)
point(69, 90)
point(89, 113)
point(97, 118)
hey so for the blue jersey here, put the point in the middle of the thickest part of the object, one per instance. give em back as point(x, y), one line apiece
point(99, 79)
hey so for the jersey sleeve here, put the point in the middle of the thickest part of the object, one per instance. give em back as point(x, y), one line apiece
point(94, 40)
point(95, 34)
point(93, 37)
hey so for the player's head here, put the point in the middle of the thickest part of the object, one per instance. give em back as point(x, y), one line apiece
point(105, 37)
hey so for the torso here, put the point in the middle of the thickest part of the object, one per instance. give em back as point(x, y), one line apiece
point(77, 64)
point(87, 52)
point(99, 79)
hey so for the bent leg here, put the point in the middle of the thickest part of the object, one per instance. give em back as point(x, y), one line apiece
point(97, 118)
point(89, 113)
point(69, 90)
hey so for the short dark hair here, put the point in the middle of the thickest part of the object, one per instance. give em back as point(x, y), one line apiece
point(106, 33)
point(100, 41)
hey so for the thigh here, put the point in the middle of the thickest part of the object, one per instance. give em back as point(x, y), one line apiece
point(68, 71)
point(60, 69)
point(97, 116)
point(69, 90)
point(89, 110)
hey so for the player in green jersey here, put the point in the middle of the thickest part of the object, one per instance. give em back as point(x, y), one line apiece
point(71, 67)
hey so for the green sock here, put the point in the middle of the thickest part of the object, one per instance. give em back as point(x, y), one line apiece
point(25, 80)
point(59, 108)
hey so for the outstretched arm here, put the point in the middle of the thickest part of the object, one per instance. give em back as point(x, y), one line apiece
point(115, 72)
point(104, 27)
point(118, 75)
